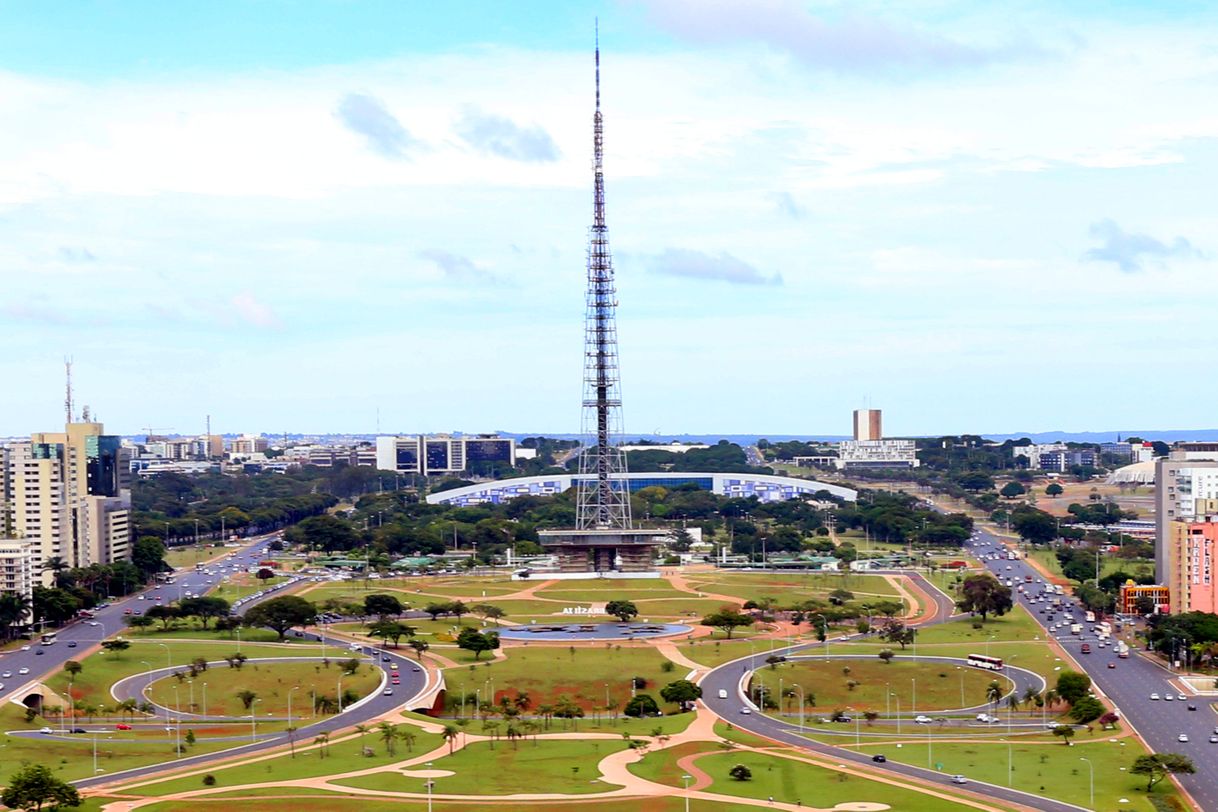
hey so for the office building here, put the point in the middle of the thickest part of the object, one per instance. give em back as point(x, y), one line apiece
point(249, 444)
point(1190, 582)
point(1181, 485)
point(70, 494)
point(444, 454)
point(858, 454)
point(1131, 592)
point(867, 425)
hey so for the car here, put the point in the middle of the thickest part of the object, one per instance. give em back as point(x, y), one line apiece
point(122, 726)
point(1192, 707)
point(40, 652)
point(79, 730)
point(388, 692)
point(1112, 665)
point(922, 720)
point(1168, 697)
point(415, 669)
point(879, 758)
point(7, 674)
point(140, 598)
point(125, 612)
point(385, 658)
point(46, 731)
point(959, 779)
point(1182, 697)
point(25, 648)
point(1213, 738)
point(23, 670)
point(1054, 725)
point(1183, 737)
point(745, 711)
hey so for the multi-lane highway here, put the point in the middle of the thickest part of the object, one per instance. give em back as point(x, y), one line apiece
point(43, 660)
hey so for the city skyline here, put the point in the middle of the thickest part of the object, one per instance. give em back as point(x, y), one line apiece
point(947, 212)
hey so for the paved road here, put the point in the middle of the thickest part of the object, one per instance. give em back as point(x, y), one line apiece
point(1128, 685)
point(43, 660)
point(728, 680)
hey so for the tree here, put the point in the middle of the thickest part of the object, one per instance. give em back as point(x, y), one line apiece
point(625, 611)
point(247, 698)
point(728, 619)
point(72, 668)
point(1155, 767)
point(886, 655)
point(740, 773)
point(490, 611)
point(382, 605)
point(34, 785)
point(477, 642)
point(983, 595)
point(281, 614)
point(839, 596)
point(115, 646)
point(641, 705)
point(1065, 732)
point(894, 631)
point(391, 630)
point(138, 621)
point(389, 735)
point(14, 609)
point(204, 608)
point(1054, 490)
point(1011, 490)
point(163, 613)
point(1072, 686)
point(420, 646)
point(148, 556)
point(436, 609)
point(450, 734)
point(264, 574)
point(1034, 525)
point(682, 692)
point(1086, 709)
point(350, 666)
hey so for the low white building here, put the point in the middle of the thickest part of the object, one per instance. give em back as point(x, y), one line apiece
point(876, 454)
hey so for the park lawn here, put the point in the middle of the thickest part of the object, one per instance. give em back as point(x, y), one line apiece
point(689, 607)
point(660, 766)
point(787, 588)
point(729, 732)
point(102, 670)
point(1036, 656)
point(334, 802)
point(534, 608)
point(717, 652)
point(471, 587)
point(546, 672)
point(271, 681)
point(572, 596)
point(355, 592)
point(560, 766)
point(1014, 625)
point(790, 781)
point(192, 630)
point(1042, 768)
point(343, 756)
point(939, 686)
point(189, 555)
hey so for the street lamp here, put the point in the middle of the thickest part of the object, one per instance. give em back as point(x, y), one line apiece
point(295, 688)
point(898, 699)
point(960, 672)
point(205, 699)
point(254, 720)
point(800, 688)
point(1091, 770)
point(430, 783)
point(685, 783)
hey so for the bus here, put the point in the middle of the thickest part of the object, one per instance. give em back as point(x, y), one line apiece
point(985, 661)
point(47, 639)
point(1091, 617)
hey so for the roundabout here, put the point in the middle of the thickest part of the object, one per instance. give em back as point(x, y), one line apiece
point(576, 632)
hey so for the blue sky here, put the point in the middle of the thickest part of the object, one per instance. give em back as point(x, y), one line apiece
point(291, 215)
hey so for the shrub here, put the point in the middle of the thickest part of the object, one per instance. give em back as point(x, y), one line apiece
point(209, 780)
point(740, 773)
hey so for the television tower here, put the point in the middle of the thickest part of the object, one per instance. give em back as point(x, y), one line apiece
point(603, 495)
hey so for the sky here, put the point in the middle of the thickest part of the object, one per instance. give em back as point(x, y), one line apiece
point(346, 216)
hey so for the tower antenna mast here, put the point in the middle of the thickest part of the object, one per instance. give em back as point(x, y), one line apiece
point(67, 401)
point(603, 497)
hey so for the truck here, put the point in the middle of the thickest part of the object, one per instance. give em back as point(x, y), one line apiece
point(1076, 628)
point(1012, 555)
point(1091, 617)
point(1122, 649)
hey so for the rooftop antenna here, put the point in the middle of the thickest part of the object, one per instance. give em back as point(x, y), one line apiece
point(67, 401)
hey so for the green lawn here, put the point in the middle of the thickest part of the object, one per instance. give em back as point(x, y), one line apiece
point(660, 766)
point(101, 670)
point(791, 587)
point(270, 681)
point(548, 672)
point(1053, 770)
point(345, 756)
point(792, 781)
point(939, 687)
point(334, 802)
point(561, 766)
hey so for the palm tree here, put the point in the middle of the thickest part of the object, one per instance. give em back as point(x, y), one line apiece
point(247, 698)
point(322, 741)
point(489, 727)
point(56, 565)
point(389, 735)
point(547, 713)
point(1029, 697)
point(408, 737)
point(993, 693)
point(361, 730)
point(523, 700)
point(14, 609)
point(1051, 697)
point(450, 735)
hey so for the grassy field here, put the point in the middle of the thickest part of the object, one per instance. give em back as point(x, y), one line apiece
point(344, 756)
point(101, 670)
point(1042, 768)
point(791, 587)
point(661, 767)
point(561, 766)
point(791, 781)
point(546, 673)
point(335, 802)
point(1108, 564)
point(270, 681)
point(939, 687)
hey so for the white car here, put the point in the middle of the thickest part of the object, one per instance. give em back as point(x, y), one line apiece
point(45, 731)
point(23, 671)
point(7, 674)
point(1156, 696)
point(959, 779)
point(922, 720)
point(1183, 737)
point(1182, 697)
point(1168, 697)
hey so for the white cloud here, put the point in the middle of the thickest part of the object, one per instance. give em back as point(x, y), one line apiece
point(251, 311)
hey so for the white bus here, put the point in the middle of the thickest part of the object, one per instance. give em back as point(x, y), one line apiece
point(985, 661)
point(1091, 617)
point(48, 639)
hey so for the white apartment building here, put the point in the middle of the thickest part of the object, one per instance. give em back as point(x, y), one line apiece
point(20, 566)
point(876, 454)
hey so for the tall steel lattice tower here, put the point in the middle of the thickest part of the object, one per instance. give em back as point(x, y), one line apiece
point(603, 496)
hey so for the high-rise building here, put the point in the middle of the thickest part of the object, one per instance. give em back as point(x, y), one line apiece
point(1181, 486)
point(1191, 583)
point(20, 565)
point(868, 425)
point(69, 493)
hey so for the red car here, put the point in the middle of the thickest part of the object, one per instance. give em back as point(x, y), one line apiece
point(122, 727)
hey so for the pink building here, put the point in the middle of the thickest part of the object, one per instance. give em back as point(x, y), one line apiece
point(1196, 566)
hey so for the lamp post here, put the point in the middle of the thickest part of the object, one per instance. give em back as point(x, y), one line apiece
point(913, 702)
point(340, 693)
point(254, 720)
point(430, 784)
point(960, 672)
point(898, 699)
point(800, 688)
point(685, 784)
point(1091, 770)
point(294, 688)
